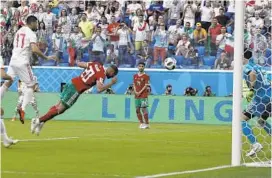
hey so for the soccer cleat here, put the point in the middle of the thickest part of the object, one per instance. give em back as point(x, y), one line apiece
point(13, 119)
point(34, 124)
point(22, 115)
point(10, 142)
point(141, 126)
point(146, 126)
point(257, 147)
point(39, 128)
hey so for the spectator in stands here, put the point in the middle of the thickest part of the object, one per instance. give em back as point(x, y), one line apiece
point(65, 22)
point(145, 55)
point(98, 41)
point(208, 91)
point(200, 35)
point(112, 32)
point(183, 46)
point(189, 13)
point(192, 56)
point(168, 90)
point(206, 15)
point(104, 26)
point(214, 30)
point(112, 55)
point(86, 27)
point(259, 46)
point(223, 62)
point(124, 44)
point(175, 33)
point(74, 46)
point(153, 21)
point(97, 12)
point(42, 38)
point(141, 32)
point(175, 11)
point(41, 13)
point(155, 6)
point(187, 29)
point(88, 12)
point(216, 8)
point(112, 10)
point(223, 19)
point(221, 41)
point(58, 42)
point(189, 91)
point(257, 21)
point(49, 20)
point(24, 11)
point(161, 43)
point(131, 9)
point(74, 18)
point(135, 18)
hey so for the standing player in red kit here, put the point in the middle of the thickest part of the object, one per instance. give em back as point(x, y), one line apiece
point(140, 83)
point(94, 74)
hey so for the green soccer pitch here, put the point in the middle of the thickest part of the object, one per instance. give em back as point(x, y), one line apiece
point(76, 149)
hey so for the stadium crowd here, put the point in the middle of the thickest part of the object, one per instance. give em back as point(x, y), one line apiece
point(198, 33)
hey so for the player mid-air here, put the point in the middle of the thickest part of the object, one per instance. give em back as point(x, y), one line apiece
point(260, 105)
point(7, 142)
point(93, 74)
point(24, 45)
point(140, 84)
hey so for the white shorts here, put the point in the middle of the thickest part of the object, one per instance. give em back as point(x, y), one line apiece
point(23, 71)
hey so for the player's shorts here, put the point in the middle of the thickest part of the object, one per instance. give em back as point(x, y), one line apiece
point(69, 95)
point(258, 109)
point(23, 71)
point(141, 102)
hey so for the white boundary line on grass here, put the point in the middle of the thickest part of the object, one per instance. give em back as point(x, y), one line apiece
point(185, 172)
point(60, 174)
point(47, 139)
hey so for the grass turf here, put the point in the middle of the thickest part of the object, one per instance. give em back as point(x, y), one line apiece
point(107, 150)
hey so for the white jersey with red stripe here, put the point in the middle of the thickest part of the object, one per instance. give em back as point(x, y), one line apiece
point(21, 52)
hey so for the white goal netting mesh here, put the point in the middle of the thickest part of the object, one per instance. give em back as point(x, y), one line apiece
point(257, 40)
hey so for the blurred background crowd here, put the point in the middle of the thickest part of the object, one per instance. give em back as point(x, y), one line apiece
point(198, 33)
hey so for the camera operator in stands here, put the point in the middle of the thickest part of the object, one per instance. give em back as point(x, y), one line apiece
point(189, 91)
point(130, 90)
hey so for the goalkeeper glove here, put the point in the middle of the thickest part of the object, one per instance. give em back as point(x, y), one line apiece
point(249, 95)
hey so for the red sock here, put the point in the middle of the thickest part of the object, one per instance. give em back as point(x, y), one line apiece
point(53, 111)
point(146, 117)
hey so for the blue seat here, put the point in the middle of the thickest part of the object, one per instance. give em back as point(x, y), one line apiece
point(180, 60)
point(201, 51)
point(209, 60)
point(85, 57)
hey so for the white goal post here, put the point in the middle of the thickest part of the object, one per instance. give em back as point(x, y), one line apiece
point(237, 140)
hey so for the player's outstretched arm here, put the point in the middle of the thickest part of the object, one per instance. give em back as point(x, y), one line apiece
point(4, 75)
point(102, 87)
point(82, 64)
point(37, 51)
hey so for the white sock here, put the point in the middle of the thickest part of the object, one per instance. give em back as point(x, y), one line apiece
point(3, 131)
point(28, 94)
point(3, 90)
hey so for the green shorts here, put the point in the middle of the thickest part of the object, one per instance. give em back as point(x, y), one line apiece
point(141, 102)
point(69, 95)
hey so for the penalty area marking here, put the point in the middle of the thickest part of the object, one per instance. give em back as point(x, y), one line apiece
point(185, 172)
point(47, 139)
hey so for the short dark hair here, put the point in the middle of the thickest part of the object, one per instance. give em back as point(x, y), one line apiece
point(141, 63)
point(31, 19)
point(115, 68)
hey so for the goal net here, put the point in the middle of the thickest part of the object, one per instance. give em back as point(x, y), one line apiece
point(254, 42)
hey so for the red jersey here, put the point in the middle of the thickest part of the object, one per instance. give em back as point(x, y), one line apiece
point(88, 78)
point(139, 81)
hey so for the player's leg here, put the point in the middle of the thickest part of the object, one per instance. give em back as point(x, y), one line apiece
point(68, 97)
point(19, 105)
point(26, 75)
point(4, 88)
point(144, 105)
point(138, 112)
point(247, 129)
point(7, 142)
point(35, 106)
